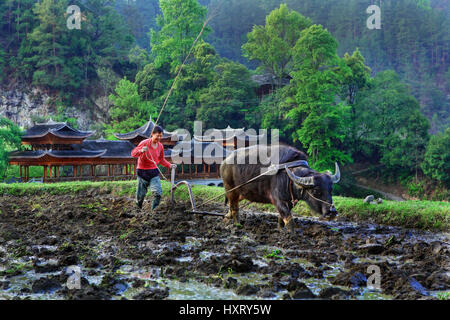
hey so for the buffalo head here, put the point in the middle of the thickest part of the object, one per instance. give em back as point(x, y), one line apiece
point(315, 188)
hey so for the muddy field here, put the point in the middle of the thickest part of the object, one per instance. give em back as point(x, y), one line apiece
point(169, 254)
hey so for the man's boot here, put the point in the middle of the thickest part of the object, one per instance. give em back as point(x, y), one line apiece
point(156, 201)
point(139, 204)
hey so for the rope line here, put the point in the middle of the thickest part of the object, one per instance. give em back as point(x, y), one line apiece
point(170, 92)
point(242, 184)
point(271, 168)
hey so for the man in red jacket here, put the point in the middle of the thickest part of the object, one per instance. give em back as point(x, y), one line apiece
point(150, 152)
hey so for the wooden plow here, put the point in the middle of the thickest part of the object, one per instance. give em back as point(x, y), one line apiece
point(195, 210)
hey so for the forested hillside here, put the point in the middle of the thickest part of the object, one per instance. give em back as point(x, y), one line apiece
point(341, 91)
point(413, 40)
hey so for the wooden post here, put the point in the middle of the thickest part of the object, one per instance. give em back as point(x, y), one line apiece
point(50, 171)
point(75, 171)
point(126, 169)
point(109, 170)
point(57, 171)
point(45, 173)
point(182, 168)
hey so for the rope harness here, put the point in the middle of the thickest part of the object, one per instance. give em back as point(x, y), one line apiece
point(295, 201)
point(271, 168)
point(330, 204)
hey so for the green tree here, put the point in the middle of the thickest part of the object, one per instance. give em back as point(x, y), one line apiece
point(196, 76)
point(229, 27)
point(355, 77)
point(9, 140)
point(129, 111)
point(152, 81)
point(139, 56)
point(180, 23)
point(274, 109)
point(319, 119)
point(272, 44)
point(104, 41)
point(2, 64)
point(437, 158)
point(229, 98)
point(358, 77)
point(50, 45)
point(389, 123)
point(17, 21)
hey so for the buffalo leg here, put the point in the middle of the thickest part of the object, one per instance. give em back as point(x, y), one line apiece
point(289, 224)
point(233, 212)
point(280, 223)
point(285, 216)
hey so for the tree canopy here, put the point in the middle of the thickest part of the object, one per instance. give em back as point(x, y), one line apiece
point(9, 140)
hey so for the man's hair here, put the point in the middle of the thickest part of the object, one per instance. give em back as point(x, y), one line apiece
point(157, 129)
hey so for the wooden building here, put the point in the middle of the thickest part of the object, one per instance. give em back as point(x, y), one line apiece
point(230, 138)
point(267, 83)
point(66, 155)
point(196, 159)
point(169, 139)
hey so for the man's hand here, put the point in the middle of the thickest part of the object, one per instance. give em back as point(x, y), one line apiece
point(143, 149)
point(173, 165)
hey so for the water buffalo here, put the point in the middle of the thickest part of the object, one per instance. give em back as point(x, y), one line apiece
point(282, 189)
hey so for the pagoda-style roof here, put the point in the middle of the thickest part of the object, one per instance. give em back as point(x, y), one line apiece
point(145, 132)
point(207, 150)
point(269, 79)
point(114, 148)
point(88, 149)
point(59, 129)
point(39, 154)
point(51, 133)
point(227, 134)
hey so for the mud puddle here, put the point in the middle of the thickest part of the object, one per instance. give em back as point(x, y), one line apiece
point(90, 247)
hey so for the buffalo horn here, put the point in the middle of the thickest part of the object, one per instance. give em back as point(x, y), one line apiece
point(337, 175)
point(303, 181)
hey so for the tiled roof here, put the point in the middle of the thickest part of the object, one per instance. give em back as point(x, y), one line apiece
point(114, 148)
point(269, 79)
point(60, 129)
point(144, 131)
point(88, 149)
point(57, 154)
point(227, 134)
point(206, 149)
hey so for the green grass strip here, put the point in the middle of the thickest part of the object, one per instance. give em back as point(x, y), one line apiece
point(431, 215)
